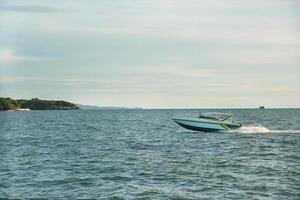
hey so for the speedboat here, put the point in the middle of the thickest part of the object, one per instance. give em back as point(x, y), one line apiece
point(212, 121)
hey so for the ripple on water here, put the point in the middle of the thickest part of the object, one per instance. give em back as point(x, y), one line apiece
point(142, 154)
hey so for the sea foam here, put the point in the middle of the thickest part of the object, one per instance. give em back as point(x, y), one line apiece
point(261, 129)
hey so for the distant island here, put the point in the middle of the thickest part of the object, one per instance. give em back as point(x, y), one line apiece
point(89, 107)
point(8, 104)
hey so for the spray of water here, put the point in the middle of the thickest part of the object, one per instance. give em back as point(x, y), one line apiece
point(261, 129)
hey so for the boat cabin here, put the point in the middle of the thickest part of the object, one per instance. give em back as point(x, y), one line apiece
point(216, 116)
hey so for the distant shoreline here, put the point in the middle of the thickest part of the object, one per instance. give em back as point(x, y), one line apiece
point(90, 107)
point(9, 104)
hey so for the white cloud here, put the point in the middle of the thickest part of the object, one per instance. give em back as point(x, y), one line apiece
point(11, 56)
point(182, 72)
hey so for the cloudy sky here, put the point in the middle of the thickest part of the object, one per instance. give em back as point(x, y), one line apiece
point(152, 53)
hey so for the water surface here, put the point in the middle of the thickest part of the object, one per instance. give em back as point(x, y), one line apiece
point(143, 154)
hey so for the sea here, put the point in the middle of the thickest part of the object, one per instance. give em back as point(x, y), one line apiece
point(143, 154)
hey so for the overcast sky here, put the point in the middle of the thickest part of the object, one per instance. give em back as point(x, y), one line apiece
point(152, 53)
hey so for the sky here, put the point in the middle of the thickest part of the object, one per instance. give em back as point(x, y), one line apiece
point(152, 53)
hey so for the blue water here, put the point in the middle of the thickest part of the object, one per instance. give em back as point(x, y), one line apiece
point(143, 154)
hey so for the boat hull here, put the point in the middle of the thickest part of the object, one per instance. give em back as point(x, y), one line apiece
point(206, 126)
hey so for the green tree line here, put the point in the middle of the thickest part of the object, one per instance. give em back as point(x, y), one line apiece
point(7, 103)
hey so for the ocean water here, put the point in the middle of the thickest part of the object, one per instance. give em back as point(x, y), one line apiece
point(143, 154)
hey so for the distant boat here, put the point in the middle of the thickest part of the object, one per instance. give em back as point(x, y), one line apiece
point(209, 122)
point(261, 107)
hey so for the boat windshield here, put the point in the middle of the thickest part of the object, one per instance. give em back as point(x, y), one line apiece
point(218, 116)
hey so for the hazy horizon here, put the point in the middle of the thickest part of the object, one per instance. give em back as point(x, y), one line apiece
point(161, 108)
point(152, 54)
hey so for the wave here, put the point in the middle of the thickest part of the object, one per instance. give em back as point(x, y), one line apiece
point(261, 129)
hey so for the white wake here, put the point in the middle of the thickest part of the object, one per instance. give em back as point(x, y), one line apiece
point(261, 129)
